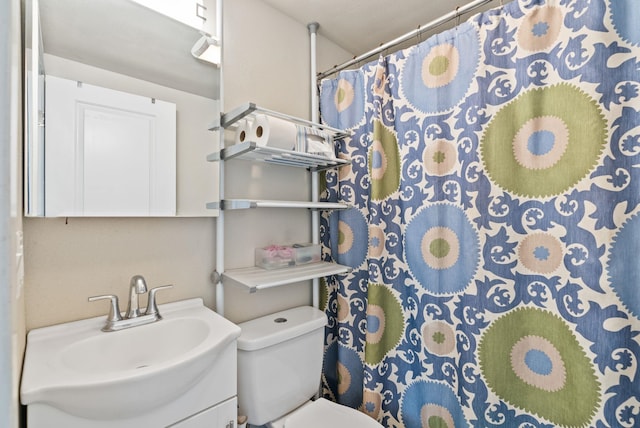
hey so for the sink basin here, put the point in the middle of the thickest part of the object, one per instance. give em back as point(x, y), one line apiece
point(114, 353)
point(81, 370)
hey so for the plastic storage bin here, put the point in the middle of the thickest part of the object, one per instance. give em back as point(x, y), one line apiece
point(275, 257)
point(306, 253)
point(282, 256)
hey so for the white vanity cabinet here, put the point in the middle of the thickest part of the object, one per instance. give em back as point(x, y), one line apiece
point(221, 416)
point(210, 403)
point(177, 372)
point(107, 152)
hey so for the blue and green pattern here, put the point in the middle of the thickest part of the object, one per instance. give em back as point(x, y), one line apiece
point(438, 73)
point(495, 229)
point(344, 368)
point(532, 361)
point(384, 162)
point(346, 242)
point(625, 15)
point(385, 323)
point(441, 249)
point(431, 405)
point(347, 97)
point(623, 267)
point(544, 142)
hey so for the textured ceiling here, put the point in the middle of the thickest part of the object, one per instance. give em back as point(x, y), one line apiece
point(361, 25)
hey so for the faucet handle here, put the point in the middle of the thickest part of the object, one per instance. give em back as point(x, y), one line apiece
point(114, 309)
point(152, 307)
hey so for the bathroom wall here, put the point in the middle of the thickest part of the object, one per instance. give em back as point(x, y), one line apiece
point(267, 62)
point(67, 260)
point(71, 259)
point(12, 310)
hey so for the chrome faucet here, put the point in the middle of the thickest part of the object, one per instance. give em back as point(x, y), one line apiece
point(137, 286)
point(134, 316)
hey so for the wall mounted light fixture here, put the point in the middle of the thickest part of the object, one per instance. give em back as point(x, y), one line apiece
point(207, 49)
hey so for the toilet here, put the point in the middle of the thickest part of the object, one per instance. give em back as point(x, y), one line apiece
point(279, 365)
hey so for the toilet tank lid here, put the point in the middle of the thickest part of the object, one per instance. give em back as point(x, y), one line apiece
point(279, 327)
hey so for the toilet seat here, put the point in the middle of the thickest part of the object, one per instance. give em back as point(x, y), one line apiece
point(323, 413)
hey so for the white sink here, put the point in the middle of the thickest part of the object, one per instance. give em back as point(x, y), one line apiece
point(81, 370)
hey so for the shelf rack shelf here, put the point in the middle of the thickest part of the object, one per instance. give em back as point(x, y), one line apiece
point(242, 204)
point(228, 119)
point(255, 278)
point(249, 150)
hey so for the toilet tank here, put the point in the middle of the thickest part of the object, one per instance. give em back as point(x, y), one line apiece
point(279, 362)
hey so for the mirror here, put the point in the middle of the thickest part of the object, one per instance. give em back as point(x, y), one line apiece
point(125, 46)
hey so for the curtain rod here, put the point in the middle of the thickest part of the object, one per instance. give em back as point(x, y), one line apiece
point(429, 26)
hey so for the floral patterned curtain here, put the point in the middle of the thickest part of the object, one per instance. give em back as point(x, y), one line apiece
point(495, 229)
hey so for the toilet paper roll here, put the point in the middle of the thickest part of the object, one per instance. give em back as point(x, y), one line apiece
point(274, 132)
point(243, 131)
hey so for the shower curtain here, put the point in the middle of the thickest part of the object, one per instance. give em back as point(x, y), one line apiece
point(494, 233)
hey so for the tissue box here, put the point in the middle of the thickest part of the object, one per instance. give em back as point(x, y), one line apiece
point(306, 253)
point(282, 256)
